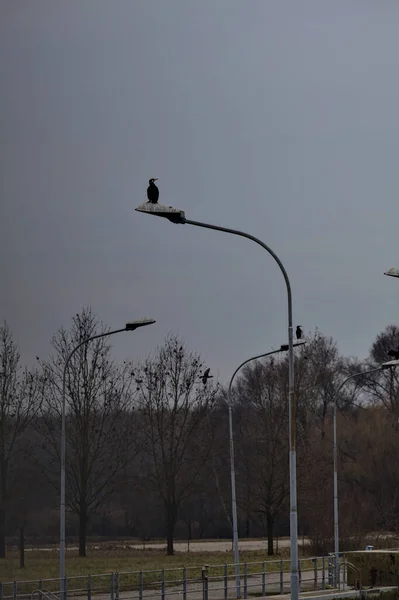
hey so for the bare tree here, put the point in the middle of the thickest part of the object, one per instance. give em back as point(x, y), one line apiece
point(177, 409)
point(263, 439)
point(383, 387)
point(100, 423)
point(20, 397)
point(319, 369)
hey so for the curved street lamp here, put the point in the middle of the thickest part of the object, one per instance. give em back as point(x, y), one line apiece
point(178, 216)
point(283, 348)
point(387, 365)
point(128, 327)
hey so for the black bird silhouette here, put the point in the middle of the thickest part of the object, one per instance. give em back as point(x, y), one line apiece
point(206, 376)
point(152, 191)
point(394, 354)
point(299, 332)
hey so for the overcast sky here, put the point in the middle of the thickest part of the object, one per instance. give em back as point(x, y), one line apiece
point(277, 117)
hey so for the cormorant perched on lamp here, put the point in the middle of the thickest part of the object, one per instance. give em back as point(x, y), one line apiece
point(152, 191)
point(299, 332)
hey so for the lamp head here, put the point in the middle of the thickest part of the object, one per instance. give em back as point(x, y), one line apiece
point(284, 347)
point(389, 364)
point(392, 272)
point(139, 323)
point(175, 215)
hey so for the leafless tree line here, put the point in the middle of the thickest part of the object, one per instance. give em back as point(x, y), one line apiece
point(147, 444)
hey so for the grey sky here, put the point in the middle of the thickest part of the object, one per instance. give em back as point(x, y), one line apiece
point(280, 118)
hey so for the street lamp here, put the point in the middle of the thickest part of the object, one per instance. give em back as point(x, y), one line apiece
point(178, 216)
point(392, 272)
point(128, 327)
point(386, 365)
point(283, 348)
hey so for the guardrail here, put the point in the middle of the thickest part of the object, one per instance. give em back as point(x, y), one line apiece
point(202, 582)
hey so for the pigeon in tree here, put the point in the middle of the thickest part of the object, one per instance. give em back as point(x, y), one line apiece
point(206, 376)
point(299, 332)
point(394, 354)
point(152, 191)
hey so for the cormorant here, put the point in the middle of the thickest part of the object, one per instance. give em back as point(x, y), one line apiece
point(394, 354)
point(299, 332)
point(206, 376)
point(152, 191)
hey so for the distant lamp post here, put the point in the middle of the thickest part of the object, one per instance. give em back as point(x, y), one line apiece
point(283, 348)
point(392, 272)
point(128, 327)
point(386, 365)
point(178, 216)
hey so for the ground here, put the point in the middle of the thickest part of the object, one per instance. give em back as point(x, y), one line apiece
point(126, 557)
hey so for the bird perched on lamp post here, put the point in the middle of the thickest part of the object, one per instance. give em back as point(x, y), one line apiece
point(299, 332)
point(153, 191)
point(206, 376)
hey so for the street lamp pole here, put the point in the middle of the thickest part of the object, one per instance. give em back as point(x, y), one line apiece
point(128, 327)
point(283, 348)
point(386, 365)
point(178, 217)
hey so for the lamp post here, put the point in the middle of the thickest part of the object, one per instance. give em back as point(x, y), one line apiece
point(387, 365)
point(178, 216)
point(283, 348)
point(128, 327)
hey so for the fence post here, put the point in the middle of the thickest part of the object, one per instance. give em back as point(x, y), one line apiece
point(245, 580)
point(315, 568)
point(89, 587)
point(1, 591)
point(112, 587)
point(331, 581)
point(344, 573)
point(141, 585)
point(226, 583)
point(163, 585)
point(116, 586)
point(323, 574)
point(281, 577)
point(14, 590)
point(299, 574)
point(263, 579)
point(184, 583)
point(40, 589)
point(204, 573)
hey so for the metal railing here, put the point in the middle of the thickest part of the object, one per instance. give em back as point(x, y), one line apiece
point(345, 565)
point(44, 594)
point(202, 582)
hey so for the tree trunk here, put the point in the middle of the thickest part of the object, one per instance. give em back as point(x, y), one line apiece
point(2, 533)
point(22, 547)
point(82, 530)
point(247, 525)
point(270, 523)
point(188, 534)
point(171, 515)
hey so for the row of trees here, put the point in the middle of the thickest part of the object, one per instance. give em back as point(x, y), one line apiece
point(147, 444)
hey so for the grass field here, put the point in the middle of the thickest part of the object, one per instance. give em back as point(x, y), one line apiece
point(45, 565)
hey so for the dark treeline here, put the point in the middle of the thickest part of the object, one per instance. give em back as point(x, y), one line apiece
point(148, 452)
